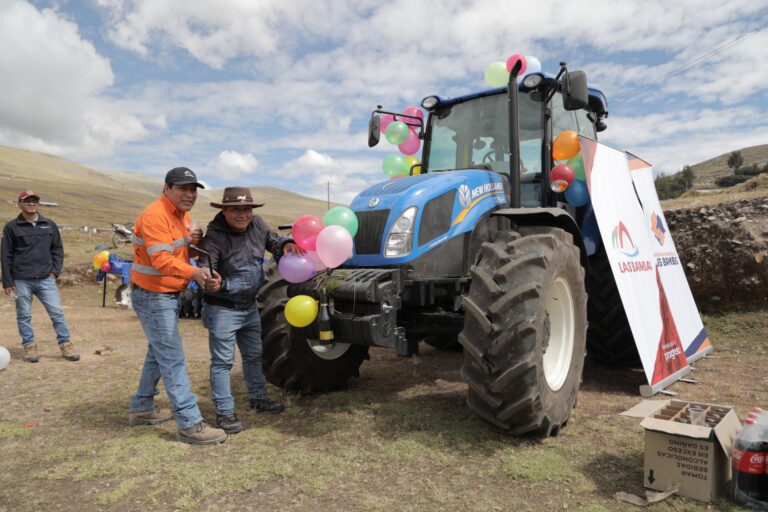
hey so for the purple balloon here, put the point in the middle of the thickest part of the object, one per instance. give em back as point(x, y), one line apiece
point(296, 269)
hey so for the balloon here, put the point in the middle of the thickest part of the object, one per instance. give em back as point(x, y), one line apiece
point(301, 310)
point(334, 246)
point(105, 267)
point(385, 121)
point(394, 164)
point(304, 231)
point(560, 177)
point(412, 111)
point(410, 161)
point(296, 268)
point(412, 144)
point(577, 164)
point(534, 65)
point(5, 357)
point(496, 74)
point(511, 62)
point(566, 145)
point(397, 132)
point(104, 255)
point(341, 216)
point(577, 193)
point(315, 259)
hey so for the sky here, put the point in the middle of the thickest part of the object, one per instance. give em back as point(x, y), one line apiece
point(279, 93)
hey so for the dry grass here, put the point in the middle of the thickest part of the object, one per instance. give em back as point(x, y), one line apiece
point(400, 438)
point(707, 172)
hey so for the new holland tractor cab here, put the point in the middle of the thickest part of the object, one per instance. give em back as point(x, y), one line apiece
point(474, 250)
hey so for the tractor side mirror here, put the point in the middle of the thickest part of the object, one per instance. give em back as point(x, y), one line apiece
point(575, 91)
point(374, 130)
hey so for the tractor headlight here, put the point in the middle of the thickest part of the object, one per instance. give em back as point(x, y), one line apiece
point(400, 236)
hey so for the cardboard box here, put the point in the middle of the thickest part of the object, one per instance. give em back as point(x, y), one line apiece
point(696, 457)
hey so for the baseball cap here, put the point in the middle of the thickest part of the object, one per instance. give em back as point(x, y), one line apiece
point(25, 194)
point(182, 176)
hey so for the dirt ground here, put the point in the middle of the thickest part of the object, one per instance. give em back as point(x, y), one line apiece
point(399, 438)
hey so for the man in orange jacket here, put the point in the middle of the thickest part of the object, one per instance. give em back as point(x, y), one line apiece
point(160, 271)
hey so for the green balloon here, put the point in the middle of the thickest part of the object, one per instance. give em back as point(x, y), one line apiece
point(496, 74)
point(577, 164)
point(395, 165)
point(341, 216)
point(397, 132)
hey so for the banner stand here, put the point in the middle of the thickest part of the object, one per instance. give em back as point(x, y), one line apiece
point(647, 391)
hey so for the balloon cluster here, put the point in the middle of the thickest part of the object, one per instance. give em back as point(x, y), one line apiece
point(101, 261)
point(328, 243)
point(401, 132)
point(569, 175)
point(497, 73)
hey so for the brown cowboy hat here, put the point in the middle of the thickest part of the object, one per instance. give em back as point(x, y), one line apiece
point(237, 196)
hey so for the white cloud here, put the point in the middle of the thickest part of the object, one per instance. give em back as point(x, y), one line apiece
point(231, 165)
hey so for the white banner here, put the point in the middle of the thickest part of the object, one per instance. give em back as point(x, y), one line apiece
point(629, 244)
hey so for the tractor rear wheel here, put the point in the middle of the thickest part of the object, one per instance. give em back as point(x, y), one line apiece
point(294, 358)
point(609, 337)
point(524, 334)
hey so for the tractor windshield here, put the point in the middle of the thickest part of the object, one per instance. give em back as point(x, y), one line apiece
point(475, 134)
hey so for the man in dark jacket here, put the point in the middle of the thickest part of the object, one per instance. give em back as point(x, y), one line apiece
point(32, 255)
point(236, 241)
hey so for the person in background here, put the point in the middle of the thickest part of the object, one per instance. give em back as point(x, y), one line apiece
point(32, 256)
point(236, 240)
point(160, 271)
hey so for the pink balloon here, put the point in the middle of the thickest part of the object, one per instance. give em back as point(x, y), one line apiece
point(412, 111)
point(334, 246)
point(295, 268)
point(304, 231)
point(315, 259)
point(385, 121)
point(514, 58)
point(412, 144)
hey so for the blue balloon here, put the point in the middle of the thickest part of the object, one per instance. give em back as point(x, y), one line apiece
point(577, 193)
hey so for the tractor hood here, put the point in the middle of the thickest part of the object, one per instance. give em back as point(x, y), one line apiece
point(448, 204)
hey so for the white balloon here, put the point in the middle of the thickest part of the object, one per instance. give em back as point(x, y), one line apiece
point(534, 65)
point(5, 357)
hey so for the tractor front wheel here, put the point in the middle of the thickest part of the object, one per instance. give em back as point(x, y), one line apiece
point(525, 327)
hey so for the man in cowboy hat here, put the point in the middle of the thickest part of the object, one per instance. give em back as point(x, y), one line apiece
point(236, 240)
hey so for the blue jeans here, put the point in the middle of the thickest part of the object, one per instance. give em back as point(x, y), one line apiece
point(48, 293)
point(159, 317)
point(227, 327)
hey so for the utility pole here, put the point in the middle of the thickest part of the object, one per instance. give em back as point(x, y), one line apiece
point(328, 196)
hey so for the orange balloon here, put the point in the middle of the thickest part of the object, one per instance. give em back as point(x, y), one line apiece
point(566, 145)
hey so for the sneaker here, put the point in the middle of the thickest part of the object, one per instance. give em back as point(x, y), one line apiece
point(30, 353)
point(266, 405)
point(229, 423)
point(201, 433)
point(68, 351)
point(150, 417)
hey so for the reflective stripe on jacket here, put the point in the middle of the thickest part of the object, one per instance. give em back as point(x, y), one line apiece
point(161, 248)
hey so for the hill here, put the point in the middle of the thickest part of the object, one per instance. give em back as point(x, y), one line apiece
point(707, 172)
point(88, 197)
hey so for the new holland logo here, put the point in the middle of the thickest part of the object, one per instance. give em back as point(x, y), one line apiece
point(465, 196)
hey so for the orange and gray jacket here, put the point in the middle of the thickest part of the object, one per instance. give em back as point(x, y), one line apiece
point(161, 248)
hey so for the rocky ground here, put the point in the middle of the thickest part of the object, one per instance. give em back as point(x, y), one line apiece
point(724, 250)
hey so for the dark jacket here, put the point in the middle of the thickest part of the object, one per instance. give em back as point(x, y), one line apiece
point(30, 251)
point(239, 258)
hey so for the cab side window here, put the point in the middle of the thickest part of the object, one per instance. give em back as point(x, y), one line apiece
point(586, 126)
point(562, 119)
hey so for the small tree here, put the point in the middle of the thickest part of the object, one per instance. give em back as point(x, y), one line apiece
point(687, 175)
point(735, 160)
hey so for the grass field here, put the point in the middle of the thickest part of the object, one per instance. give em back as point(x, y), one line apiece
point(399, 438)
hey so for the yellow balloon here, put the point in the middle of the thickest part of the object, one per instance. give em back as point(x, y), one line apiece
point(105, 255)
point(411, 161)
point(301, 310)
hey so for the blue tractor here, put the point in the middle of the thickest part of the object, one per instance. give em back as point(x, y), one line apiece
point(474, 250)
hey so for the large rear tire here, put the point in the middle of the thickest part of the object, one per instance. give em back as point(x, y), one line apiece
point(609, 337)
point(524, 334)
point(293, 358)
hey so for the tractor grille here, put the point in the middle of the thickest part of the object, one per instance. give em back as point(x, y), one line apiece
point(370, 230)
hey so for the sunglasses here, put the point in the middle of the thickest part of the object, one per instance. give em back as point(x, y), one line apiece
point(32, 201)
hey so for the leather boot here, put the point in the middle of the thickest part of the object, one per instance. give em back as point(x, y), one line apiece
point(201, 433)
point(68, 351)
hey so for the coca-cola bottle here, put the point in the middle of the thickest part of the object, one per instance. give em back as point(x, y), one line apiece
point(750, 482)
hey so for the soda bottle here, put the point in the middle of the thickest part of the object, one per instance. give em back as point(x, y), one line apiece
point(749, 484)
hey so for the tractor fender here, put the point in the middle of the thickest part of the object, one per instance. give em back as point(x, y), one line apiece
point(554, 217)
